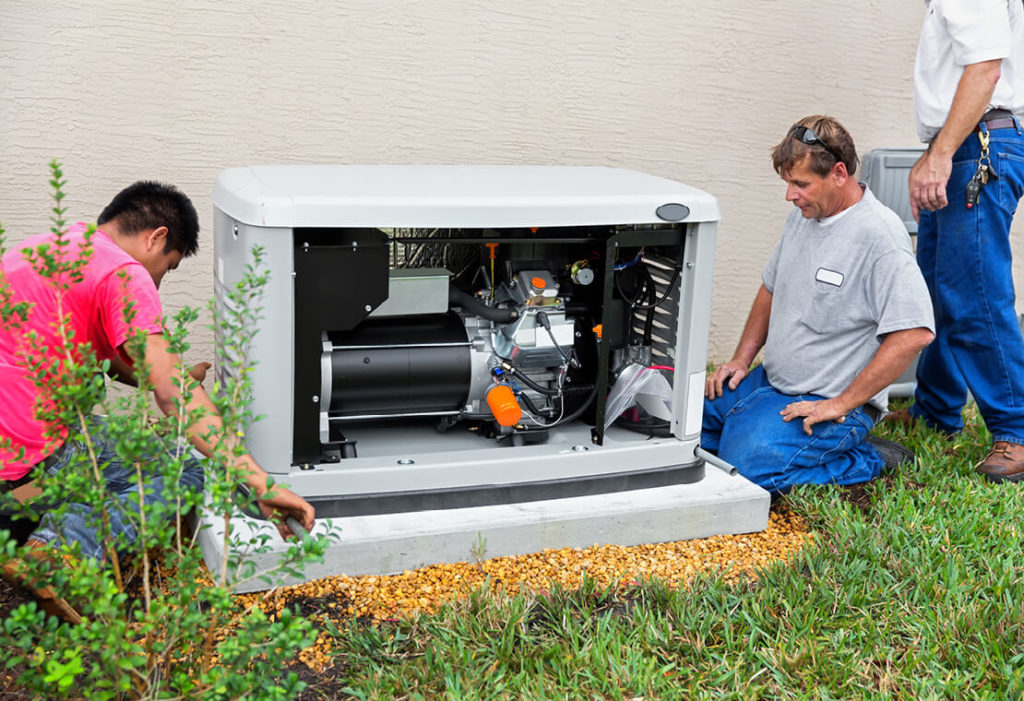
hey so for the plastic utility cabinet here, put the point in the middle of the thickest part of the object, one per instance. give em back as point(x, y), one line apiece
point(886, 171)
point(440, 348)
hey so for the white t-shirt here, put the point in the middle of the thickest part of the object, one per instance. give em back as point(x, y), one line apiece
point(957, 33)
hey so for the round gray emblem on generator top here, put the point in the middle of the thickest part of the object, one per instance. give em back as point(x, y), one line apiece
point(672, 211)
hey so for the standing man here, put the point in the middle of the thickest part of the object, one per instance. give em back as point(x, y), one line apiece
point(144, 232)
point(841, 312)
point(968, 99)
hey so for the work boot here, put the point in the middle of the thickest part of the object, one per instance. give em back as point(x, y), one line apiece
point(893, 454)
point(17, 573)
point(1004, 463)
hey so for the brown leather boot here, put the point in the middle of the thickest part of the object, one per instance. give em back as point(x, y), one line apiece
point(1004, 463)
point(17, 573)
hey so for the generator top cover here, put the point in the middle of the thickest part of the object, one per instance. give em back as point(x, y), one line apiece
point(399, 196)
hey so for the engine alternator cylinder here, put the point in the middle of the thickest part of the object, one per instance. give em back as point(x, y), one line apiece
point(403, 366)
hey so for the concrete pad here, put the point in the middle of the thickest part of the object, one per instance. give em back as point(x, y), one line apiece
point(391, 543)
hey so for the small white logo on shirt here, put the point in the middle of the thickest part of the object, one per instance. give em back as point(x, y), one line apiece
point(830, 277)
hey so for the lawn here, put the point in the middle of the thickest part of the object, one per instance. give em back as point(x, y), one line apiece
point(911, 588)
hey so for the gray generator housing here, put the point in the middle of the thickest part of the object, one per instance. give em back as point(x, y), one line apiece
point(400, 296)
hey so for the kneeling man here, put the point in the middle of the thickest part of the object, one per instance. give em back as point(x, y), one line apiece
point(842, 311)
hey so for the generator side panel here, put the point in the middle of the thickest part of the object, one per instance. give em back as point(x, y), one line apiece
point(693, 329)
point(271, 357)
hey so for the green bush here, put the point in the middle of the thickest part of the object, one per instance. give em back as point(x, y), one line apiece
point(156, 623)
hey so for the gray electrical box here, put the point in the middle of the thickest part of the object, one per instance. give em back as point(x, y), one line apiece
point(887, 171)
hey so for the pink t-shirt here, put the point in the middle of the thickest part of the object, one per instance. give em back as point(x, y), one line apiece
point(96, 305)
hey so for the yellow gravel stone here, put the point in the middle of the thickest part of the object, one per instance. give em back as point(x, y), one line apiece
point(424, 590)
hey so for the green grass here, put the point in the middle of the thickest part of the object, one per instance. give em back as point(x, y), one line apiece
point(913, 590)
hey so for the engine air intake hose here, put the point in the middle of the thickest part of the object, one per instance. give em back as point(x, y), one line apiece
point(458, 298)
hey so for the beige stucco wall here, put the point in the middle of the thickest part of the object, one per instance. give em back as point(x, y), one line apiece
point(695, 90)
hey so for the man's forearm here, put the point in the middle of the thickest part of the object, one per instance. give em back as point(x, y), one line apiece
point(972, 98)
point(930, 175)
point(166, 373)
point(206, 431)
point(755, 331)
point(892, 358)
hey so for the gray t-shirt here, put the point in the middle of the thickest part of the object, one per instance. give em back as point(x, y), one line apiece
point(837, 287)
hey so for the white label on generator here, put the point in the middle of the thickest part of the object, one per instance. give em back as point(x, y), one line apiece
point(220, 269)
point(694, 403)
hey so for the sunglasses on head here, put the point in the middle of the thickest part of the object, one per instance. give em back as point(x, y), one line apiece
point(806, 135)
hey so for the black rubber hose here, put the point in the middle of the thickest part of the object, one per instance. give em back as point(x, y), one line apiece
point(530, 406)
point(583, 407)
point(668, 290)
point(565, 419)
point(458, 298)
point(636, 302)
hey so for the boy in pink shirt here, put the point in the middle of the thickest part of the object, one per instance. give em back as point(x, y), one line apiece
point(144, 232)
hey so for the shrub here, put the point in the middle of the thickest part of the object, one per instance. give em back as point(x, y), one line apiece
point(155, 622)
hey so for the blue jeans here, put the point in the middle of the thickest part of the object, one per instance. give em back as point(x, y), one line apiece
point(744, 428)
point(965, 257)
point(77, 524)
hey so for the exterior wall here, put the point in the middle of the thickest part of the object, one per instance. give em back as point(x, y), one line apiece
point(694, 90)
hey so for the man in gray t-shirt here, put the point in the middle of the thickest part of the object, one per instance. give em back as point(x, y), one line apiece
point(842, 312)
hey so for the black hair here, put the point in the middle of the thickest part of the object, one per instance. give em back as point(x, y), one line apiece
point(150, 205)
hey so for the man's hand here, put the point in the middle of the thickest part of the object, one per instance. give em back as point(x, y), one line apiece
point(927, 182)
point(278, 503)
point(733, 371)
point(814, 411)
point(930, 174)
point(198, 371)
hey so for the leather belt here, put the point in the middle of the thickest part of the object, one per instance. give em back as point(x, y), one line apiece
point(872, 411)
point(998, 119)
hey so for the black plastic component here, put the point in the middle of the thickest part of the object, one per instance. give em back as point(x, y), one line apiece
point(341, 275)
point(336, 452)
point(672, 211)
point(486, 495)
